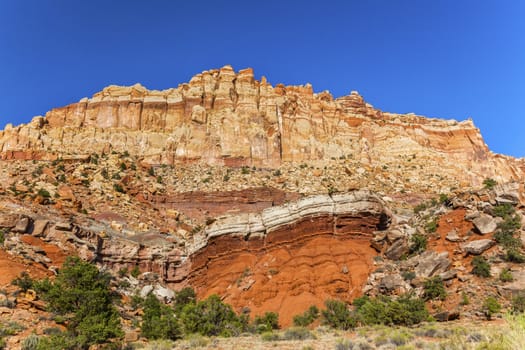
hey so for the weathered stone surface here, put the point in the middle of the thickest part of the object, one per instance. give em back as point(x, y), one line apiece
point(39, 227)
point(485, 224)
point(339, 208)
point(229, 118)
point(453, 236)
point(448, 275)
point(391, 283)
point(22, 225)
point(397, 250)
point(430, 263)
point(63, 226)
point(477, 247)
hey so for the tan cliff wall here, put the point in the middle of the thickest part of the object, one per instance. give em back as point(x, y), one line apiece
point(229, 118)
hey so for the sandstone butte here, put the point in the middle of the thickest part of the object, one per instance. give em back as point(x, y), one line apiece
point(226, 118)
point(280, 250)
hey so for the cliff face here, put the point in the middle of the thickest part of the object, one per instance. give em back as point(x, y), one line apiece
point(283, 258)
point(226, 118)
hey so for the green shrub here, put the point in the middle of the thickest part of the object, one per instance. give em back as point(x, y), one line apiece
point(122, 272)
point(10, 328)
point(433, 288)
point(270, 336)
point(31, 342)
point(408, 275)
point(431, 226)
point(480, 267)
point(307, 318)
point(464, 299)
point(118, 188)
point(489, 183)
point(211, 317)
point(418, 243)
point(337, 315)
point(43, 193)
point(93, 158)
point(80, 294)
point(62, 341)
point(503, 210)
point(506, 276)
point(123, 166)
point(158, 321)
point(406, 310)
point(2, 236)
point(490, 307)
point(23, 281)
point(510, 223)
point(267, 322)
point(507, 240)
point(420, 207)
point(135, 271)
point(184, 297)
point(443, 198)
point(297, 333)
point(518, 304)
point(513, 255)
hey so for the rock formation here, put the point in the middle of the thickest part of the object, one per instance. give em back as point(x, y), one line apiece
point(227, 118)
point(274, 197)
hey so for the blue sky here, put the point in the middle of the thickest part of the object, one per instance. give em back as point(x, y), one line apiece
point(446, 58)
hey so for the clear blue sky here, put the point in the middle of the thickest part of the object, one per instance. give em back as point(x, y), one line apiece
point(444, 58)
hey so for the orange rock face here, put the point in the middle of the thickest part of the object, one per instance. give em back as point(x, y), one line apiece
point(224, 117)
point(292, 269)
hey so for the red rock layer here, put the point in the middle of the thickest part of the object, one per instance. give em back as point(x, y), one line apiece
point(200, 205)
point(290, 269)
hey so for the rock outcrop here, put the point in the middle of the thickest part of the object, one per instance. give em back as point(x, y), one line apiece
point(306, 251)
point(229, 118)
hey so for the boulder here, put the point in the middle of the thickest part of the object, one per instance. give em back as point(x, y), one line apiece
point(63, 226)
point(431, 263)
point(163, 293)
point(485, 224)
point(39, 227)
point(477, 247)
point(391, 283)
point(146, 290)
point(22, 225)
point(453, 236)
point(397, 250)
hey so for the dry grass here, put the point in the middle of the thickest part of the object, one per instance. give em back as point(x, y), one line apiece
point(506, 334)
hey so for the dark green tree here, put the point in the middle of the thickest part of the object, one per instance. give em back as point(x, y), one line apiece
point(159, 321)
point(306, 318)
point(211, 317)
point(81, 295)
point(434, 289)
point(184, 297)
point(337, 315)
point(480, 267)
point(267, 322)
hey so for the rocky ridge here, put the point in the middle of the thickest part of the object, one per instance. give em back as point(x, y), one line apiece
point(226, 118)
point(275, 198)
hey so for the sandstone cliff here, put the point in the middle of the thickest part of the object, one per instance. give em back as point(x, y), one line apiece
point(226, 118)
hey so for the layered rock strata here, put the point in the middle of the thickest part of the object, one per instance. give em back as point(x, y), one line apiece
point(307, 250)
point(229, 118)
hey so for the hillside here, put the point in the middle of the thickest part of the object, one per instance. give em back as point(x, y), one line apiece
point(275, 198)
